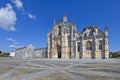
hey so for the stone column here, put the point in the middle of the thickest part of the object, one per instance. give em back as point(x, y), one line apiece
point(77, 53)
point(83, 48)
point(48, 41)
point(106, 44)
point(63, 44)
point(94, 48)
point(106, 48)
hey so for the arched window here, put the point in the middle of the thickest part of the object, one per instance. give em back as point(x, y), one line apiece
point(78, 46)
point(59, 30)
point(100, 44)
point(88, 45)
point(85, 34)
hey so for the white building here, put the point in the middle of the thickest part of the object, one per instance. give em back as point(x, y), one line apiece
point(40, 53)
point(12, 54)
point(25, 52)
point(30, 52)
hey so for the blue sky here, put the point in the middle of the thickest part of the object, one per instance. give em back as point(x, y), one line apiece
point(28, 21)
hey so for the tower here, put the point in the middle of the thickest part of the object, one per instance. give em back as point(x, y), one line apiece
point(94, 46)
point(106, 44)
point(73, 40)
point(49, 44)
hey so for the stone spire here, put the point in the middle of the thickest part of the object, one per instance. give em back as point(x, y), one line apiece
point(73, 23)
point(64, 18)
point(106, 44)
point(54, 22)
point(48, 31)
point(106, 31)
point(106, 28)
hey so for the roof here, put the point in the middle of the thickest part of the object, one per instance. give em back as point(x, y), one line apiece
point(92, 29)
point(24, 47)
point(40, 48)
point(21, 48)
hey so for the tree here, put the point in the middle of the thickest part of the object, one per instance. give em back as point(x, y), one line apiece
point(0, 52)
point(115, 55)
point(4, 54)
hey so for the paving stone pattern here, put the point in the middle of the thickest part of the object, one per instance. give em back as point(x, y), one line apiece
point(57, 69)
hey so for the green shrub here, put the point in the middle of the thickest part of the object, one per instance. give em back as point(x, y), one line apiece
point(115, 55)
point(4, 54)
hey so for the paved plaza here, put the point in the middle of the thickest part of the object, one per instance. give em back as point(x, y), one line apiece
point(57, 69)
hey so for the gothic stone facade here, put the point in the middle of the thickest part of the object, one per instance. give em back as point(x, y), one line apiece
point(64, 41)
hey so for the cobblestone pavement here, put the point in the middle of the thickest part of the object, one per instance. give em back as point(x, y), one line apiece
point(57, 69)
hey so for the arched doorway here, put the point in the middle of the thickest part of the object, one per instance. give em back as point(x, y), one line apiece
point(89, 49)
point(59, 51)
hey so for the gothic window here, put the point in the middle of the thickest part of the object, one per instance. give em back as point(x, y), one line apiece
point(69, 41)
point(59, 30)
point(100, 44)
point(73, 43)
point(30, 49)
point(89, 45)
point(91, 33)
point(85, 34)
point(78, 44)
point(68, 37)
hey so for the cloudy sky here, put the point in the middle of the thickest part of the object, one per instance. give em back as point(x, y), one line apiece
point(28, 21)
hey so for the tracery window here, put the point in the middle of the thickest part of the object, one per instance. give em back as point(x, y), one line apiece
point(88, 45)
point(78, 48)
point(100, 44)
point(59, 30)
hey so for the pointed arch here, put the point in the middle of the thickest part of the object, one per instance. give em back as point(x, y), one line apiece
point(59, 51)
point(88, 45)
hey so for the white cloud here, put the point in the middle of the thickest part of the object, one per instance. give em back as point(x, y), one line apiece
point(11, 39)
point(12, 46)
point(15, 43)
point(31, 16)
point(7, 18)
point(18, 3)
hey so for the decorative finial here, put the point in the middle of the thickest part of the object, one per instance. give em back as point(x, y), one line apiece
point(65, 15)
point(54, 22)
point(64, 18)
point(73, 23)
point(48, 30)
point(106, 31)
point(106, 28)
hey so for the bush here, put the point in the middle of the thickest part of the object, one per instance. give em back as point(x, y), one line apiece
point(4, 54)
point(115, 55)
point(0, 52)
